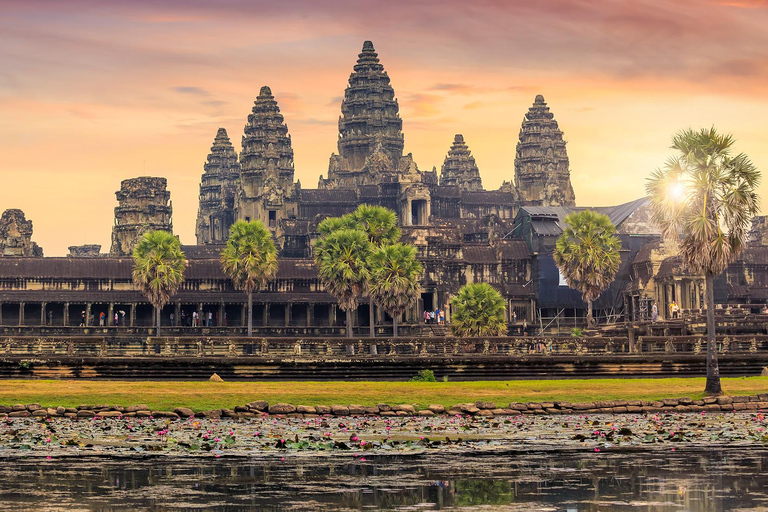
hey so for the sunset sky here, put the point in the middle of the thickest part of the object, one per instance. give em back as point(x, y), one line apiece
point(92, 93)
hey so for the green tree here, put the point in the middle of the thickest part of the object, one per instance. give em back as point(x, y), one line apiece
point(704, 199)
point(478, 310)
point(587, 253)
point(380, 224)
point(158, 268)
point(342, 265)
point(394, 281)
point(249, 259)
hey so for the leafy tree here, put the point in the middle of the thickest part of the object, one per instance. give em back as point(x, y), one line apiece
point(704, 199)
point(249, 259)
point(587, 253)
point(394, 281)
point(342, 265)
point(478, 310)
point(380, 226)
point(158, 268)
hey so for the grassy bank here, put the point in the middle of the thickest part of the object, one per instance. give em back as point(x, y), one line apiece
point(211, 395)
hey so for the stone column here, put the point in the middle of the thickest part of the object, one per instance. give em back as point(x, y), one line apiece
point(111, 315)
point(177, 313)
point(200, 313)
point(21, 313)
point(222, 309)
point(43, 306)
point(265, 315)
point(288, 314)
point(244, 315)
point(87, 314)
point(65, 320)
point(132, 314)
point(332, 314)
point(310, 315)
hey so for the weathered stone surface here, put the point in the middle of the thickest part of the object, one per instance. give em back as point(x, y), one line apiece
point(40, 412)
point(84, 251)
point(18, 407)
point(215, 378)
point(281, 409)
point(109, 414)
point(356, 410)
point(259, 405)
point(229, 413)
point(437, 408)
point(137, 407)
point(724, 400)
point(213, 413)
point(384, 407)
point(184, 412)
point(467, 408)
point(85, 413)
point(323, 409)
point(387, 413)
point(485, 405)
point(165, 414)
point(485, 412)
point(425, 412)
point(16, 235)
point(407, 408)
point(371, 410)
point(218, 189)
point(33, 407)
point(459, 168)
point(143, 205)
point(306, 409)
point(340, 410)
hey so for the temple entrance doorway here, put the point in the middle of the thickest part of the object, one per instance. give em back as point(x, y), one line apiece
point(418, 212)
point(427, 300)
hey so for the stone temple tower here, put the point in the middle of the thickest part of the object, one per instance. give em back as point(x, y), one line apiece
point(143, 205)
point(542, 173)
point(218, 189)
point(460, 168)
point(370, 121)
point(16, 235)
point(267, 191)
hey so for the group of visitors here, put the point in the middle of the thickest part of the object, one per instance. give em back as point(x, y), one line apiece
point(674, 311)
point(434, 317)
point(118, 319)
point(204, 319)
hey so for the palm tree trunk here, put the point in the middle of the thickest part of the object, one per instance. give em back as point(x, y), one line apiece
point(250, 313)
point(394, 325)
point(370, 313)
point(589, 314)
point(157, 320)
point(713, 369)
point(349, 323)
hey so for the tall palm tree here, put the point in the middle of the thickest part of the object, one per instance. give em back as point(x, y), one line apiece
point(587, 253)
point(478, 310)
point(704, 199)
point(342, 265)
point(249, 259)
point(158, 268)
point(380, 224)
point(395, 276)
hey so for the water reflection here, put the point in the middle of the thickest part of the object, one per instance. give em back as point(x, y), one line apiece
point(685, 480)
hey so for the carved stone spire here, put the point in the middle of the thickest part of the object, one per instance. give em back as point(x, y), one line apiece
point(542, 173)
point(16, 235)
point(267, 147)
point(460, 168)
point(218, 188)
point(369, 113)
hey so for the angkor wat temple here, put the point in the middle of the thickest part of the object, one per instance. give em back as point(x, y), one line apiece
point(463, 233)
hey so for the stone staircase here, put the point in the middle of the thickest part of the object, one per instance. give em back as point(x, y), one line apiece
point(439, 330)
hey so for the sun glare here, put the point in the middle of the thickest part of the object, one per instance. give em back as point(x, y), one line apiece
point(675, 191)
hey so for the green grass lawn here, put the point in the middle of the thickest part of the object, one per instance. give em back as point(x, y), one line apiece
point(211, 395)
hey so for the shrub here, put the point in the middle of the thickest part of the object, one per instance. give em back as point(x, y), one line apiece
point(424, 376)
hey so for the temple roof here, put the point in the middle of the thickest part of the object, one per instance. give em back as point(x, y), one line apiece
point(460, 168)
point(549, 220)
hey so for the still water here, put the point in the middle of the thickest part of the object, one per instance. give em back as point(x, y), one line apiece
point(692, 479)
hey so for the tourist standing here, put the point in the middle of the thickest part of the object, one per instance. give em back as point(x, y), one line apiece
point(50, 318)
point(194, 319)
point(102, 318)
point(210, 318)
point(173, 320)
point(655, 312)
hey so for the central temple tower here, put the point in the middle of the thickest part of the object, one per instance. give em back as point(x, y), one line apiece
point(370, 128)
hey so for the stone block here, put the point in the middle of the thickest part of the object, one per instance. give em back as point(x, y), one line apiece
point(670, 402)
point(387, 413)
point(708, 400)
point(401, 413)
point(383, 407)
point(241, 408)
point(683, 408)
point(259, 405)
point(721, 400)
point(165, 414)
point(518, 406)
point(70, 415)
point(41, 413)
point(356, 410)
point(33, 407)
point(85, 413)
point(229, 413)
point(485, 412)
point(485, 405)
point(634, 409)
point(425, 412)
point(406, 408)
point(18, 407)
point(739, 399)
point(137, 408)
point(534, 406)
point(685, 400)
point(620, 409)
point(712, 408)
point(582, 406)
point(323, 409)
point(213, 413)
point(54, 412)
point(281, 409)
point(109, 414)
point(634, 403)
point(373, 411)
point(340, 410)
point(564, 405)
point(553, 410)
point(147, 414)
point(436, 408)
point(451, 412)
point(306, 409)
point(184, 412)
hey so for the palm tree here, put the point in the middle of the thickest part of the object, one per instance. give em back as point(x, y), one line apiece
point(380, 224)
point(395, 276)
point(342, 265)
point(478, 310)
point(704, 199)
point(249, 259)
point(158, 268)
point(587, 253)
